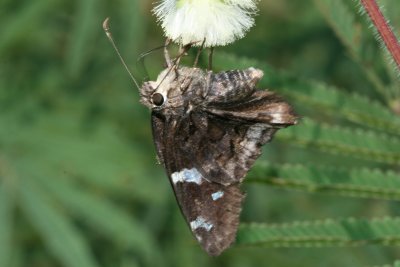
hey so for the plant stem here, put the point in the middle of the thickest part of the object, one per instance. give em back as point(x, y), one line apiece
point(383, 28)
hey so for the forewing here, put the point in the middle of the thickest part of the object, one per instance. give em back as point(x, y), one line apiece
point(211, 209)
point(226, 139)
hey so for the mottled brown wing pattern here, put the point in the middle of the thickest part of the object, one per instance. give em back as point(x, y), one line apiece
point(228, 138)
point(211, 209)
point(208, 139)
point(222, 150)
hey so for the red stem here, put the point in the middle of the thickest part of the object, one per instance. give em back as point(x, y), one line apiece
point(383, 28)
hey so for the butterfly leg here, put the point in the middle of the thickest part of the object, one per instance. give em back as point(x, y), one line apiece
point(173, 65)
point(166, 53)
point(196, 61)
point(210, 58)
point(182, 52)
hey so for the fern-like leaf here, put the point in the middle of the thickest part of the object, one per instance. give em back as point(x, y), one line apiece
point(328, 233)
point(122, 229)
point(318, 96)
point(82, 36)
point(342, 21)
point(365, 183)
point(51, 144)
point(395, 264)
point(6, 216)
point(20, 25)
point(62, 238)
point(391, 10)
point(352, 142)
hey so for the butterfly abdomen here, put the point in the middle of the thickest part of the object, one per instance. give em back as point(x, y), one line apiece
point(233, 85)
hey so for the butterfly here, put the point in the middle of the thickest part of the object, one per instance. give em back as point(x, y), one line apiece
point(208, 129)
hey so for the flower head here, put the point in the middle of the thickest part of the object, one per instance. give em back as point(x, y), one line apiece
point(218, 22)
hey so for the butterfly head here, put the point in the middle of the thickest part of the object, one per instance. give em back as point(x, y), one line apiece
point(173, 89)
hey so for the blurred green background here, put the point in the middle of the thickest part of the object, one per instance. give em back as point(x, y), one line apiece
point(79, 180)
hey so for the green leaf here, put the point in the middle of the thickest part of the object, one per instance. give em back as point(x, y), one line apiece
point(395, 264)
point(61, 237)
point(352, 142)
point(105, 217)
point(337, 103)
point(82, 36)
point(342, 21)
point(57, 145)
point(6, 215)
point(133, 20)
point(391, 10)
point(365, 183)
point(327, 233)
point(319, 96)
point(20, 24)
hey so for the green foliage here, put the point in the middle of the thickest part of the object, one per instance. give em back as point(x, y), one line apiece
point(396, 264)
point(364, 183)
point(123, 229)
point(345, 141)
point(314, 95)
point(63, 239)
point(6, 217)
point(348, 125)
point(342, 21)
point(328, 233)
point(79, 181)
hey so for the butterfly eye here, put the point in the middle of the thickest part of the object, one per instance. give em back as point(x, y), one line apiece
point(158, 99)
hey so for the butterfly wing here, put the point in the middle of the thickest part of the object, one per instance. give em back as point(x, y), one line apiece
point(260, 107)
point(208, 151)
point(228, 139)
point(206, 155)
point(210, 208)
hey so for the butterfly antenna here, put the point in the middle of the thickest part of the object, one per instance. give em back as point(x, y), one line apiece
point(106, 27)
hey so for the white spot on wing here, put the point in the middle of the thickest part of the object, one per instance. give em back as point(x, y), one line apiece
point(277, 118)
point(188, 176)
point(200, 222)
point(217, 195)
point(253, 135)
point(255, 131)
point(199, 238)
point(278, 115)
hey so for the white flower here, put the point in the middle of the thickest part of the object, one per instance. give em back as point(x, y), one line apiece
point(219, 22)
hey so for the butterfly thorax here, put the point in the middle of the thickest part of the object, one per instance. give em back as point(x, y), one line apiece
point(176, 91)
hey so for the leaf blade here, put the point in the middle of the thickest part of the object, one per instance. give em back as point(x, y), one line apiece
point(327, 233)
point(354, 142)
point(107, 218)
point(60, 236)
point(6, 217)
point(319, 96)
point(361, 183)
